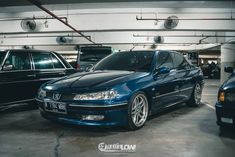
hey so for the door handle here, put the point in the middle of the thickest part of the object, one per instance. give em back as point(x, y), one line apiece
point(62, 73)
point(33, 75)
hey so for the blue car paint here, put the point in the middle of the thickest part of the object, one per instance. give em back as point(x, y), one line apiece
point(162, 91)
point(225, 109)
point(113, 118)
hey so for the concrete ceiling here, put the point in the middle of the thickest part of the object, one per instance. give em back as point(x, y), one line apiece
point(15, 6)
point(90, 14)
point(161, 3)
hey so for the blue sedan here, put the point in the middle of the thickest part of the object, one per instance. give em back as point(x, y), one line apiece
point(122, 89)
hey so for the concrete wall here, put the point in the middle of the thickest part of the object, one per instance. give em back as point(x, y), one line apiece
point(227, 59)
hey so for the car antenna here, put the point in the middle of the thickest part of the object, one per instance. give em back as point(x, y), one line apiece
point(132, 48)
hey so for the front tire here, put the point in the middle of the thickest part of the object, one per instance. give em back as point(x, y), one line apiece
point(195, 99)
point(138, 109)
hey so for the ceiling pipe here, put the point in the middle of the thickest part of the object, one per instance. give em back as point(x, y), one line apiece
point(43, 36)
point(54, 45)
point(123, 30)
point(196, 19)
point(33, 18)
point(36, 32)
point(39, 5)
point(132, 43)
point(160, 30)
point(183, 36)
point(143, 13)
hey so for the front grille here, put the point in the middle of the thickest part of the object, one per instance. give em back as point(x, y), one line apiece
point(84, 108)
point(230, 97)
point(64, 97)
point(49, 95)
point(67, 97)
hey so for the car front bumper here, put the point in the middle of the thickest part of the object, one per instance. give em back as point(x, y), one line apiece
point(225, 115)
point(113, 115)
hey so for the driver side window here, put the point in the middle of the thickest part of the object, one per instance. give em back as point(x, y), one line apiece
point(180, 62)
point(164, 60)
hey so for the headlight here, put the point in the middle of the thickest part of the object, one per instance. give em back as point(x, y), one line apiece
point(41, 94)
point(104, 95)
point(221, 96)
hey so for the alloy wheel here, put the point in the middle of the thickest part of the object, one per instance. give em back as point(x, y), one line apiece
point(139, 110)
point(197, 94)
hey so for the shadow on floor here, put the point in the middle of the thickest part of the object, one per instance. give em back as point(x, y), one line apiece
point(228, 132)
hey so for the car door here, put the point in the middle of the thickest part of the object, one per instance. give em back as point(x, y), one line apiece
point(16, 78)
point(164, 84)
point(183, 76)
point(47, 67)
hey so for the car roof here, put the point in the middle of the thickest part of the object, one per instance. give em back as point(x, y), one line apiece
point(154, 51)
point(27, 50)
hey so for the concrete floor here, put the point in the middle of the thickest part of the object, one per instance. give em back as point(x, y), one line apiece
point(179, 132)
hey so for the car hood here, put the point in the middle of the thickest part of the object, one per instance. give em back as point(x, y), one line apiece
point(95, 79)
point(230, 83)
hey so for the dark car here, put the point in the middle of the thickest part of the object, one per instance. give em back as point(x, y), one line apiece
point(90, 55)
point(211, 71)
point(205, 70)
point(122, 89)
point(22, 72)
point(225, 106)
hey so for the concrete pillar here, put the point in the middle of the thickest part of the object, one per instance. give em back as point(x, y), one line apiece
point(227, 59)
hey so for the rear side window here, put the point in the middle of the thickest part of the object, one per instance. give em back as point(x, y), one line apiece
point(57, 64)
point(67, 65)
point(17, 61)
point(46, 61)
point(164, 60)
point(42, 60)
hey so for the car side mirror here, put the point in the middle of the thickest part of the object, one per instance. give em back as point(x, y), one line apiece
point(7, 67)
point(228, 69)
point(162, 70)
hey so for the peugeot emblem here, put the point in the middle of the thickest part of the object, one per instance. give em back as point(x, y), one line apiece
point(56, 96)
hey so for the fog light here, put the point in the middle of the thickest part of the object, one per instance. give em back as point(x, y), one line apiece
point(221, 96)
point(93, 117)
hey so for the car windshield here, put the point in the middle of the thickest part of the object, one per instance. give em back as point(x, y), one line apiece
point(2, 56)
point(127, 61)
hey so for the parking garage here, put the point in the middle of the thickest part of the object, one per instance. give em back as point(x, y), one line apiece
point(68, 66)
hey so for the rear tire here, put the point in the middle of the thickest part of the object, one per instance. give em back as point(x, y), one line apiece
point(195, 99)
point(138, 109)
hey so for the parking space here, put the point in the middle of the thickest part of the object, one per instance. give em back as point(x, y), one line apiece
point(178, 132)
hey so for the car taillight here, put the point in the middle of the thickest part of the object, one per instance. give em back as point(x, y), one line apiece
point(78, 67)
point(221, 96)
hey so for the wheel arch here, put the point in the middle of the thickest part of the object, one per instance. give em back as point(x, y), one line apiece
point(148, 96)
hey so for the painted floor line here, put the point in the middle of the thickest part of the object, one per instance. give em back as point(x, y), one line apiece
point(210, 106)
point(209, 94)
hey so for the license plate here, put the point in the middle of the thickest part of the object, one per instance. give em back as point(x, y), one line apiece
point(56, 107)
point(227, 120)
